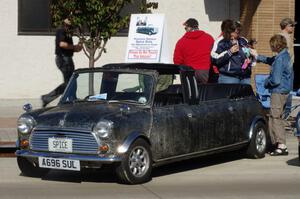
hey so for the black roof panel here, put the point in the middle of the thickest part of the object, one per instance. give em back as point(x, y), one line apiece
point(159, 67)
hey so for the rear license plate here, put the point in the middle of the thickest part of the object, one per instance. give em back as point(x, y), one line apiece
point(60, 144)
point(57, 163)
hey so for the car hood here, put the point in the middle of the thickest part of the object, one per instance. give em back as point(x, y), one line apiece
point(81, 116)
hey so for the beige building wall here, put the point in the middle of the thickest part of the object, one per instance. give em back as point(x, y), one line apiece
point(27, 62)
point(263, 18)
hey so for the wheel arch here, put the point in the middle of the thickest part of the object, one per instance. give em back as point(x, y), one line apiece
point(253, 123)
point(130, 139)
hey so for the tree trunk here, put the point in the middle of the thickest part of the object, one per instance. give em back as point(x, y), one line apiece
point(91, 76)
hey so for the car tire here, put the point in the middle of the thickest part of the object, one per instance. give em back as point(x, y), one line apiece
point(29, 169)
point(258, 144)
point(136, 166)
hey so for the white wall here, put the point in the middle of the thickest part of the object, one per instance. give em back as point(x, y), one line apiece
point(27, 63)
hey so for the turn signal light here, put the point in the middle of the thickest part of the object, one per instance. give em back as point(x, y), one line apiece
point(104, 148)
point(24, 143)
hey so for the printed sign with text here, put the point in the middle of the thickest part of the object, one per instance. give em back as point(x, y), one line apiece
point(145, 38)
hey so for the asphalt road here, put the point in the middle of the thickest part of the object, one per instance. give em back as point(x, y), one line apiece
point(220, 176)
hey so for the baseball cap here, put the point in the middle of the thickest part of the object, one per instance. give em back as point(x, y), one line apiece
point(191, 22)
point(287, 21)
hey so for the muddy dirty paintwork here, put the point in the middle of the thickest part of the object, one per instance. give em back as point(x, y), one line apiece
point(178, 123)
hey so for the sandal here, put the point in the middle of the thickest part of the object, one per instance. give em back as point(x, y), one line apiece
point(279, 151)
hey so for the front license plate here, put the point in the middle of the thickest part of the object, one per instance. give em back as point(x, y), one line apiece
point(57, 163)
point(60, 144)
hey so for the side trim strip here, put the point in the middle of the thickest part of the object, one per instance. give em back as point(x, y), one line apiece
point(205, 152)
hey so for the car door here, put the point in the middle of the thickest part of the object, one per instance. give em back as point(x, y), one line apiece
point(216, 121)
point(211, 124)
point(171, 132)
point(246, 109)
point(171, 135)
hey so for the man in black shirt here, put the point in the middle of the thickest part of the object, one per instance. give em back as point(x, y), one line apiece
point(64, 49)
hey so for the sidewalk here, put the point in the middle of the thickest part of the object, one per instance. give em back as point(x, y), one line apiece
point(10, 110)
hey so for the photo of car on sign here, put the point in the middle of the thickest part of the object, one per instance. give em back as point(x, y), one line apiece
point(126, 117)
point(147, 30)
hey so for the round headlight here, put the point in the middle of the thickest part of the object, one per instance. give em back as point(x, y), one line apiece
point(25, 124)
point(103, 128)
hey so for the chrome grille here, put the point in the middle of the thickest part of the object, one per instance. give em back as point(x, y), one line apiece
point(83, 142)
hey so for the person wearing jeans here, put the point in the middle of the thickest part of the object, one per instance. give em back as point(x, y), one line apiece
point(64, 50)
point(232, 56)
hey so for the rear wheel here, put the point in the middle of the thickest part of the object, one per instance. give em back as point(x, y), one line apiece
point(29, 169)
point(258, 144)
point(136, 166)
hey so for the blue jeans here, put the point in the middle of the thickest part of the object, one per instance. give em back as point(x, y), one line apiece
point(66, 66)
point(224, 79)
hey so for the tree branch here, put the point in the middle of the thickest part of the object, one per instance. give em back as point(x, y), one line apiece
point(85, 51)
point(101, 50)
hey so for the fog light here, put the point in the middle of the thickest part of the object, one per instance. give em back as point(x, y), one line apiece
point(24, 143)
point(104, 148)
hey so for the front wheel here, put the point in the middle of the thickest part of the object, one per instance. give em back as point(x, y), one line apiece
point(258, 144)
point(136, 166)
point(29, 169)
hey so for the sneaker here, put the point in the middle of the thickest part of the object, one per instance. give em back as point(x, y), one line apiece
point(279, 151)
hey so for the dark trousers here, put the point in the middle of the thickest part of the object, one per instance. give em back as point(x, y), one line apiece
point(66, 66)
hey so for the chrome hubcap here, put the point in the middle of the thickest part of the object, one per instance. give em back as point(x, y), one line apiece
point(139, 161)
point(261, 141)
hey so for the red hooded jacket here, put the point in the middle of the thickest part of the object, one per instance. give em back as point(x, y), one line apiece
point(193, 49)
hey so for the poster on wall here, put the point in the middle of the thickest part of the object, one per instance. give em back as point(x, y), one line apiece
point(145, 39)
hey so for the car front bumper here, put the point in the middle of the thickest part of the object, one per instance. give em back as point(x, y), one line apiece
point(80, 157)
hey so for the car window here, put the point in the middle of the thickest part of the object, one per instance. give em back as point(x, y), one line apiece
point(110, 86)
point(129, 82)
point(168, 91)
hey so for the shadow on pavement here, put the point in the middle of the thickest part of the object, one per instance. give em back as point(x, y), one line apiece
point(91, 175)
point(197, 163)
point(294, 162)
point(107, 175)
point(7, 152)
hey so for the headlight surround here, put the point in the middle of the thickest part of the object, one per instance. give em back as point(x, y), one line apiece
point(103, 128)
point(26, 124)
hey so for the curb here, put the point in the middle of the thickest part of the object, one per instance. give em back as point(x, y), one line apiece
point(7, 145)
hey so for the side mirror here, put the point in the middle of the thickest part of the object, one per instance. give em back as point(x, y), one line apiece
point(27, 107)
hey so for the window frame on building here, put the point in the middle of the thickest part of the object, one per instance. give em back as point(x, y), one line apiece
point(32, 19)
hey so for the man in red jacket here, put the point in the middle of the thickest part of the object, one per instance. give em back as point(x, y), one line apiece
point(193, 49)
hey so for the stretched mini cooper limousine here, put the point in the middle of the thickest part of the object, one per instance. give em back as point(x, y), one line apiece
point(135, 116)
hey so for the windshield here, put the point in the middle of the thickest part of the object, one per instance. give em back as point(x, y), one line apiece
point(109, 86)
